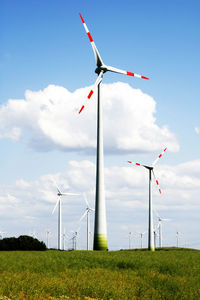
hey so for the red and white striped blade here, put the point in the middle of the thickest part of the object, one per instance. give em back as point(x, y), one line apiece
point(98, 58)
point(157, 182)
point(115, 70)
point(155, 161)
point(99, 78)
point(134, 163)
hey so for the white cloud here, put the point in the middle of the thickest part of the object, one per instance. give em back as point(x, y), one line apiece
point(28, 204)
point(49, 120)
point(197, 130)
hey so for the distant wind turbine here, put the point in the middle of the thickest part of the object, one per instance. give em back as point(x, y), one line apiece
point(129, 238)
point(177, 238)
point(74, 238)
point(87, 212)
point(48, 233)
point(2, 234)
point(59, 204)
point(100, 228)
point(160, 220)
point(151, 171)
point(64, 239)
point(141, 238)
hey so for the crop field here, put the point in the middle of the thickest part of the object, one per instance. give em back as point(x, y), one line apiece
point(166, 274)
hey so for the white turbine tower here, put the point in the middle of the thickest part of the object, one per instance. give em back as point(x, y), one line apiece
point(100, 228)
point(130, 234)
point(74, 238)
point(178, 233)
point(64, 236)
point(48, 233)
point(160, 220)
point(87, 212)
point(59, 204)
point(151, 171)
point(141, 238)
point(155, 235)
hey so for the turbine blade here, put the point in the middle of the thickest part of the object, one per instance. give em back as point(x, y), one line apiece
point(85, 198)
point(115, 70)
point(157, 182)
point(70, 194)
point(157, 214)
point(59, 191)
point(155, 161)
point(55, 206)
point(137, 164)
point(98, 58)
point(83, 216)
point(99, 78)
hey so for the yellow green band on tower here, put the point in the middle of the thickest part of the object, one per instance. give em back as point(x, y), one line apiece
point(100, 242)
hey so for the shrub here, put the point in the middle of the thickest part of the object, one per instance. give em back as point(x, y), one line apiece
point(23, 242)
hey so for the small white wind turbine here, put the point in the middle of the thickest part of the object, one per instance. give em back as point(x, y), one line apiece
point(87, 212)
point(151, 171)
point(74, 238)
point(160, 220)
point(178, 233)
point(130, 234)
point(33, 234)
point(59, 204)
point(2, 234)
point(65, 236)
point(155, 234)
point(48, 234)
point(141, 238)
point(100, 227)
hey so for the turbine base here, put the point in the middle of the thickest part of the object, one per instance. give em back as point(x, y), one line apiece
point(100, 242)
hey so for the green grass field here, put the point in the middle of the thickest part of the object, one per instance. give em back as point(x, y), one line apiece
point(173, 274)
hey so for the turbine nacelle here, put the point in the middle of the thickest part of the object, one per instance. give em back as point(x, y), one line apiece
point(101, 68)
point(148, 167)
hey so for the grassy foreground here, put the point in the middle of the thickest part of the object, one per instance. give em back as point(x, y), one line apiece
point(173, 274)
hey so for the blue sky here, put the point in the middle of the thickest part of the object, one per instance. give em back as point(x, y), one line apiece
point(44, 42)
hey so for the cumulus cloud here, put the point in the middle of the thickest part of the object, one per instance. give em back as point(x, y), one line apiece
point(49, 119)
point(125, 187)
point(29, 203)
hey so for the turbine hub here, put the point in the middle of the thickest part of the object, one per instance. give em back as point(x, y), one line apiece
point(148, 167)
point(101, 68)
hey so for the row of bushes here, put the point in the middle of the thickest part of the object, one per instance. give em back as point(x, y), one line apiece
point(23, 242)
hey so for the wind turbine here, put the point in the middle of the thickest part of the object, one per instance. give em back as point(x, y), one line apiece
point(33, 234)
point(74, 238)
point(160, 220)
point(129, 238)
point(59, 204)
point(2, 234)
point(48, 233)
point(177, 238)
point(155, 235)
point(87, 212)
point(100, 228)
point(141, 237)
point(64, 239)
point(151, 171)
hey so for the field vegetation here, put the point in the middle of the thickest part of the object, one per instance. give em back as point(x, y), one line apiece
point(169, 274)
